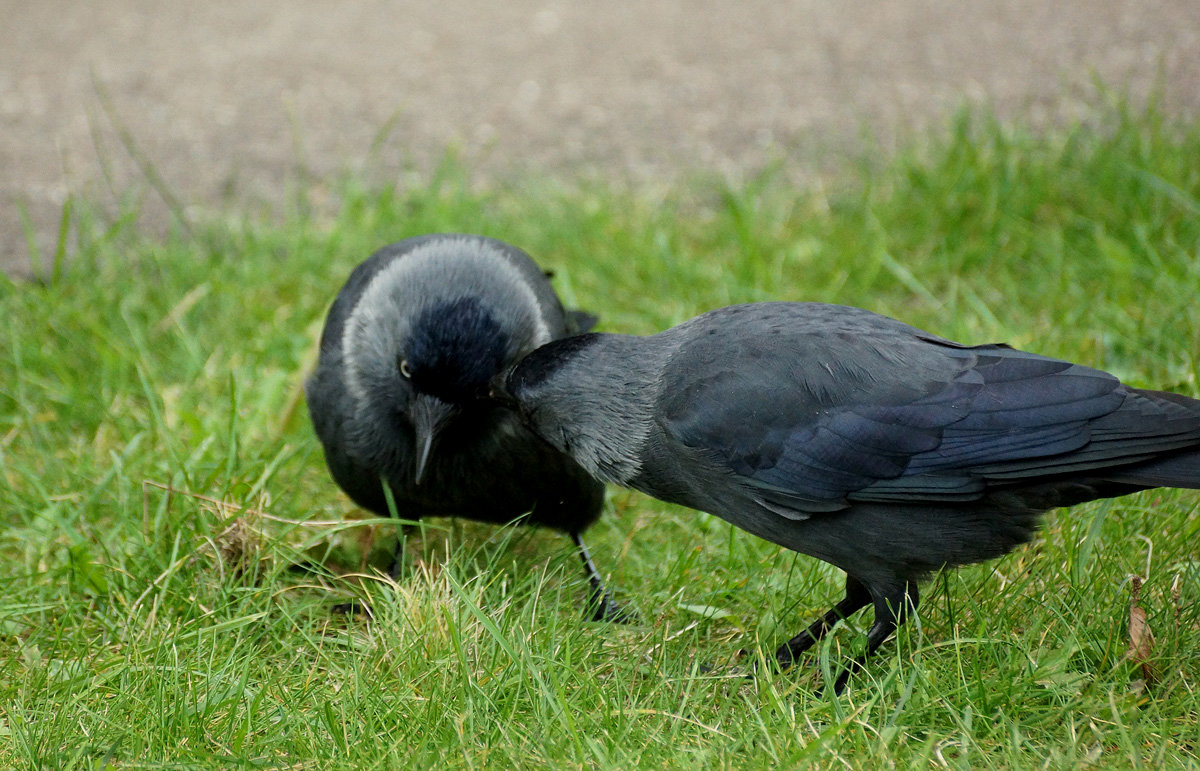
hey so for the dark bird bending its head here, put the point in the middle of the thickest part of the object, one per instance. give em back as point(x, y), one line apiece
point(410, 347)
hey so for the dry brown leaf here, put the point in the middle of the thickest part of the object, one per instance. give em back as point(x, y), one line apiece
point(1141, 639)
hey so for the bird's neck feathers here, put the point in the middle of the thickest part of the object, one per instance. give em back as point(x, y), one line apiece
point(543, 362)
point(455, 349)
point(592, 397)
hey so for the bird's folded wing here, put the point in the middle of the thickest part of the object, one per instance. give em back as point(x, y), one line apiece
point(940, 430)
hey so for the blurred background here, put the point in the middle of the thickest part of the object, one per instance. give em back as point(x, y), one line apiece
point(224, 104)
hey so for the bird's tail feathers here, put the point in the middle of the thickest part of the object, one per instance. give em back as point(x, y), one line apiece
point(1179, 470)
point(579, 321)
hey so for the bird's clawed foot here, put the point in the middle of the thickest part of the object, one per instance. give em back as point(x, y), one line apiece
point(891, 610)
point(602, 607)
point(352, 608)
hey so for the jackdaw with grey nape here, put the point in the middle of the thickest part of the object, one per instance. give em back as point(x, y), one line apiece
point(408, 350)
point(854, 438)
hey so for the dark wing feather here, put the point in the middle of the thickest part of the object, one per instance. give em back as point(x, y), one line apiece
point(579, 321)
point(1030, 417)
point(813, 422)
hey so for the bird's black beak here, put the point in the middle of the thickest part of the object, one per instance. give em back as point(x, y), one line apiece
point(428, 415)
point(499, 393)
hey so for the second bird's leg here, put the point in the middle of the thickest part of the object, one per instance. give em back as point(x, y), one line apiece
point(891, 611)
point(601, 605)
point(857, 597)
point(397, 566)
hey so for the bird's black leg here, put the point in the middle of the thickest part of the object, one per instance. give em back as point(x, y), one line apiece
point(601, 605)
point(857, 597)
point(891, 611)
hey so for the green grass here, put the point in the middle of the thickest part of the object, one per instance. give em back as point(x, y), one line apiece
point(161, 485)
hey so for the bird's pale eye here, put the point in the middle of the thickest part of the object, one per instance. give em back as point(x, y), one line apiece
point(404, 370)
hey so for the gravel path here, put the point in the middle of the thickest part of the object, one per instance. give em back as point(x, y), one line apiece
point(229, 101)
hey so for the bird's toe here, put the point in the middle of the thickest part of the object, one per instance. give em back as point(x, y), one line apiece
point(609, 610)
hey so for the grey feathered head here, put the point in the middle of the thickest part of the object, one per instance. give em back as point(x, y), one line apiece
point(431, 327)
